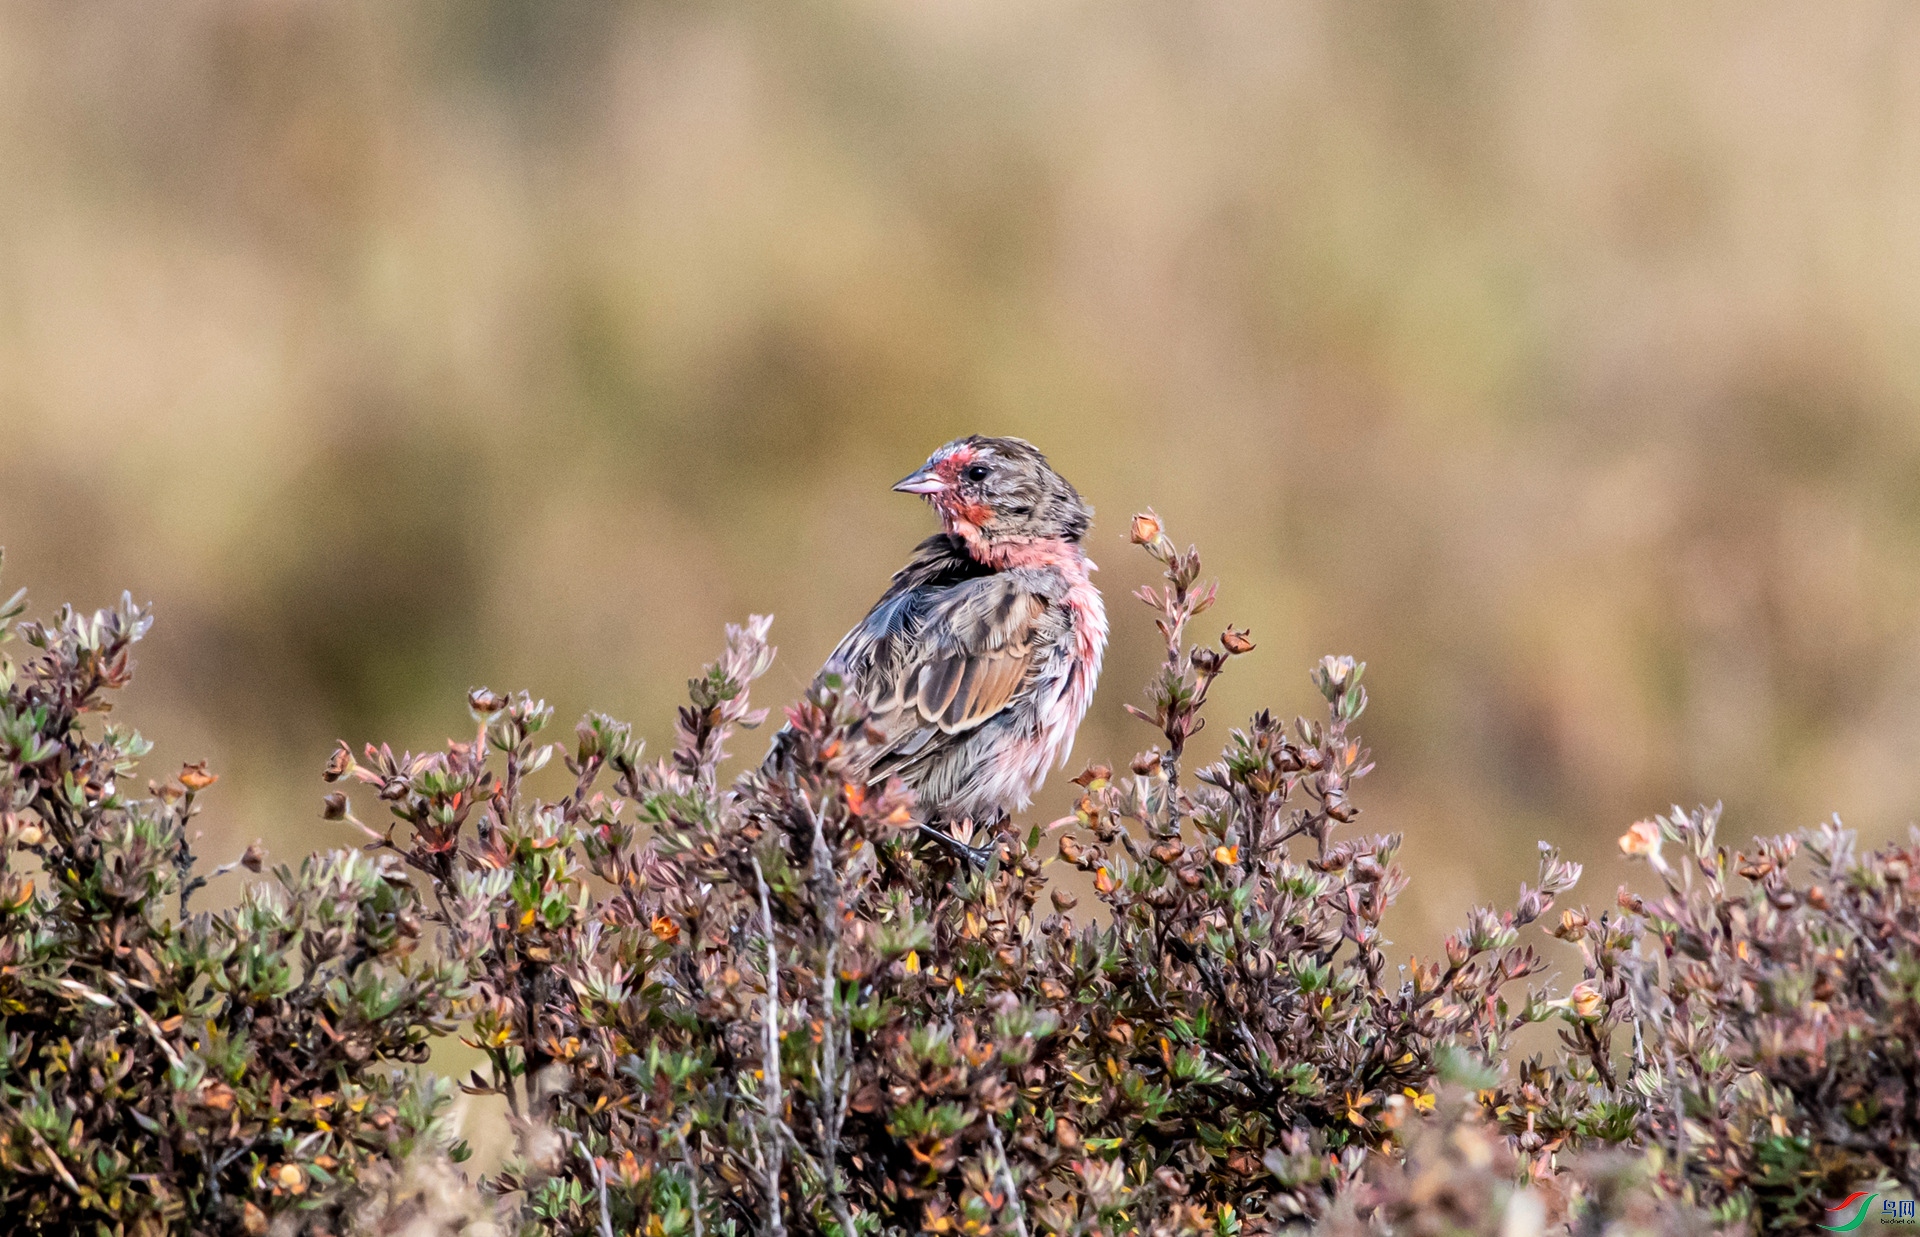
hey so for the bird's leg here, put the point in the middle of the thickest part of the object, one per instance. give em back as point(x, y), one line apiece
point(975, 856)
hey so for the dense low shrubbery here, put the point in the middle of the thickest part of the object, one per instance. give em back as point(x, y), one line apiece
point(767, 1006)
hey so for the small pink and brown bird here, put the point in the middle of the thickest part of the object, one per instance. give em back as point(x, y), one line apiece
point(980, 659)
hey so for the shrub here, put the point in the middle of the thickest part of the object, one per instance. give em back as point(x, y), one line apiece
point(160, 1069)
point(777, 1007)
point(766, 1005)
point(1774, 1049)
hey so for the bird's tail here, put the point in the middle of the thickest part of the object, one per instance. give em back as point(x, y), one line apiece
point(779, 757)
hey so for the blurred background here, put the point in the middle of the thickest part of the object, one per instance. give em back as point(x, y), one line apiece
point(1561, 362)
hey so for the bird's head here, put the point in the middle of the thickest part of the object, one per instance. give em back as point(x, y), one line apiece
point(998, 491)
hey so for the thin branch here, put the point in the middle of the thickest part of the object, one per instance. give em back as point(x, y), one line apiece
point(693, 1181)
point(831, 1111)
point(771, 1092)
point(599, 1182)
point(53, 1157)
point(183, 858)
point(501, 1070)
point(1006, 1175)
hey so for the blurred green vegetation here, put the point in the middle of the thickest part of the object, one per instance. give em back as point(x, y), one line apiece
point(1562, 363)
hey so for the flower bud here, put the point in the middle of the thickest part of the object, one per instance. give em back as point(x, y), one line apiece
point(1093, 777)
point(1333, 675)
point(1585, 1000)
point(19, 829)
point(1641, 840)
point(1146, 528)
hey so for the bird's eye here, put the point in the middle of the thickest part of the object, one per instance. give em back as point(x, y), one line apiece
point(978, 472)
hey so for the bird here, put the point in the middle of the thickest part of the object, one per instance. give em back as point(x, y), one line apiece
point(979, 660)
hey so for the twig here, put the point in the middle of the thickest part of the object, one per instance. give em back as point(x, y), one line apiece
point(771, 1094)
point(59, 1165)
point(693, 1181)
point(826, 891)
point(1679, 1118)
point(183, 858)
point(1006, 1175)
point(153, 1031)
point(501, 1068)
point(1597, 1053)
point(220, 1166)
point(599, 1182)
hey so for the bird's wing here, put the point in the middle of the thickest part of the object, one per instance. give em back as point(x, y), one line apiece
point(938, 660)
point(972, 654)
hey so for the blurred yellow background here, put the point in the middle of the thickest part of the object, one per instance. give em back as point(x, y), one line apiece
point(1561, 362)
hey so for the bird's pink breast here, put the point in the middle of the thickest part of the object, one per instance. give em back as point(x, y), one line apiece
point(1065, 687)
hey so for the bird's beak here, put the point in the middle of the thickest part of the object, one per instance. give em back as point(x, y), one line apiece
point(925, 481)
